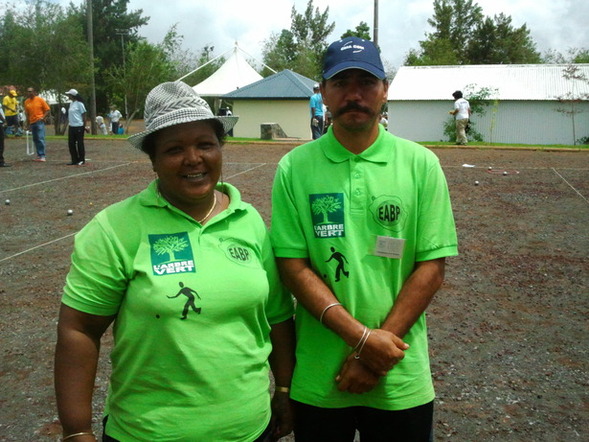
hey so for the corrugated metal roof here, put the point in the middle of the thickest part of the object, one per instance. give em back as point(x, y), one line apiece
point(282, 85)
point(512, 82)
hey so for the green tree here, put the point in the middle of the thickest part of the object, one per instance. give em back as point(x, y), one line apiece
point(463, 35)
point(36, 52)
point(582, 56)
point(573, 55)
point(454, 21)
point(115, 29)
point(302, 47)
point(435, 52)
point(280, 52)
point(186, 62)
point(147, 66)
point(44, 47)
point(361, 31)
point(496, 41)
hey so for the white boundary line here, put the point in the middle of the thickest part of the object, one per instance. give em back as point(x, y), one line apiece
point(37, 247)
point(563, 178)
point(247, 170)
point(64, 178)
point(511, 168)
point(72, 234)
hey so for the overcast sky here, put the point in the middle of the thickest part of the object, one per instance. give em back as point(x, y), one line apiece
point(554, 24)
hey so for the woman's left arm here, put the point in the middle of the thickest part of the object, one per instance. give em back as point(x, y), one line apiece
point(282, 360)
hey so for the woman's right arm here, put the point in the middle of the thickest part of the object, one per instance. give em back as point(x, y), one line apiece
point(76, 359)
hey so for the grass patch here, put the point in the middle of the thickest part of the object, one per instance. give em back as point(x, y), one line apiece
point(474, 144)
point(482, 144)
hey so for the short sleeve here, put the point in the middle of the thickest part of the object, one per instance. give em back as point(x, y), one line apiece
point(97, 281)
point(436, 227)
point(286, 231)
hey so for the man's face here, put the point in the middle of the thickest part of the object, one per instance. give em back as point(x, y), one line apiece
point(355, 98)
point(30, 92)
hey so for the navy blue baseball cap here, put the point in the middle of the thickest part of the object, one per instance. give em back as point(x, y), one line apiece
point(352, 53)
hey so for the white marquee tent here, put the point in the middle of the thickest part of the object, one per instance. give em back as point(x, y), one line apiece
point(236, 72)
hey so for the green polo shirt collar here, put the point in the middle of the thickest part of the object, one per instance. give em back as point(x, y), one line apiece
point(151, 197)
point(378, 152)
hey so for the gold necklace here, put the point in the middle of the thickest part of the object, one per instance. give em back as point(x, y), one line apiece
point(210, 210)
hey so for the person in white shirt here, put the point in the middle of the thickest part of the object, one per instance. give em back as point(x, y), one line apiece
point(114, 117)
point(77, 126)
point(461, 113)
point(2, 121)
point(101, 125)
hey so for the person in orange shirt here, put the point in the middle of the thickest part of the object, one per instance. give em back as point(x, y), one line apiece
point(36, 111)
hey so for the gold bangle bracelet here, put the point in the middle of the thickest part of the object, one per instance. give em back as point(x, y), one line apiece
point(82, 433)
point(282, 390)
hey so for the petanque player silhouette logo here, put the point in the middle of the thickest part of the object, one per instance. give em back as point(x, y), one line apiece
point(189, 293)
point(341, 263)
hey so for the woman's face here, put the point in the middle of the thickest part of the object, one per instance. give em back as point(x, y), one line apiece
point(187, 160)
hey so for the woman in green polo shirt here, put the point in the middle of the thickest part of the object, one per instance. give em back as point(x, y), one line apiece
point(185, 271)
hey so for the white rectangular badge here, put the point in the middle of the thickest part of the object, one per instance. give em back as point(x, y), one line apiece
point(388, 247)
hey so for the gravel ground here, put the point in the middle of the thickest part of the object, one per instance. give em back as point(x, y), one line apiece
point(508, 330)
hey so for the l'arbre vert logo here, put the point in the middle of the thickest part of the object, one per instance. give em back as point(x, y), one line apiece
point(171, 254)
point(389, 212)
point(327, 213)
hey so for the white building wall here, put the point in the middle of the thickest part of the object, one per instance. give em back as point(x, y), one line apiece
point(418, 120)
point(293, 116)
point(526, 122)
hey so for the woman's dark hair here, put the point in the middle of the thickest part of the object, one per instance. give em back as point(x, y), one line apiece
point(148, 144)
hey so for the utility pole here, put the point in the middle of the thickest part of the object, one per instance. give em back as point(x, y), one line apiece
point(122, 33)
point(375, 36)
point(92, 84)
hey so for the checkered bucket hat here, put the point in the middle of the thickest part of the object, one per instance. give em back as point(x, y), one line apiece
point(172, 103)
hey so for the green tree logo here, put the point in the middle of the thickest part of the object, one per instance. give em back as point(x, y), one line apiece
point(169, 245)
point(324, 206)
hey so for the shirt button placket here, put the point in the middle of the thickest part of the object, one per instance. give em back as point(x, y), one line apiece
point(357, 185)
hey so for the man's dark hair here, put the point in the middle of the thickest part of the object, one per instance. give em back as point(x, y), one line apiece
point(457, 95)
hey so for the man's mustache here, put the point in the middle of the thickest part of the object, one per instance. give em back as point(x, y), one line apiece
point(353, 107)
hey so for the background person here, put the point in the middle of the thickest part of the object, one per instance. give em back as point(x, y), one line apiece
point(384, 120)
point(198, 373)
point(101, 125)
point(381, 204)
point(36, 111)
point(77, 126)
point(461, 114)
point(2, 121)
point(10, 105)
point(326, 119)
point(115, 117)
point(316, 105)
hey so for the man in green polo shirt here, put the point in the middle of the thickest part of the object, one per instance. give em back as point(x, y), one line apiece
point(361, 225)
